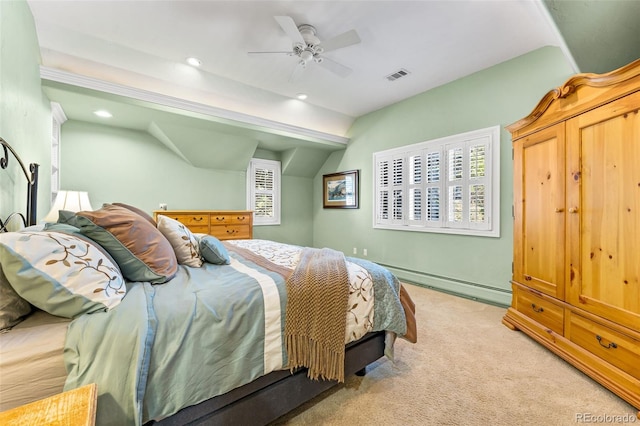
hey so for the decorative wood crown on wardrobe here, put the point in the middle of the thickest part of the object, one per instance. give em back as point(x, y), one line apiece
point(576, 266)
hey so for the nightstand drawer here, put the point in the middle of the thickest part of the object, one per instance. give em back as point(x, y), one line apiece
point(540, 309)
point(616, 348)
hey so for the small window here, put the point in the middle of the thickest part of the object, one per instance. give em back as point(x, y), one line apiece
point(263, 191)
point(447, 185)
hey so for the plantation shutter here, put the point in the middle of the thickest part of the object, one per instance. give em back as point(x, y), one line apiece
point(433, 187)
point(448, 185)
point(264, 191)
point(479, 183)
point(264, 184)
point(416, 188)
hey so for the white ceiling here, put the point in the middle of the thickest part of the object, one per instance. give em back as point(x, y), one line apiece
point(143, 44)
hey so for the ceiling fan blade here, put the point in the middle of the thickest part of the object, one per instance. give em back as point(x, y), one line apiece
point(335, 67)
point(297, 72)
point(290, 28)
point(269, 53)
point(343, 40)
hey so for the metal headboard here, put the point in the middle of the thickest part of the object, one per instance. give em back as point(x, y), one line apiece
point(32, 187)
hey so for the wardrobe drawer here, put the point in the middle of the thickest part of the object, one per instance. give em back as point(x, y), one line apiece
point(540, 310)
point(231, 232)
point(616, 348)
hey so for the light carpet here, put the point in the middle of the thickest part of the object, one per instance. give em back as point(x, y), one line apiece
point(466, 369)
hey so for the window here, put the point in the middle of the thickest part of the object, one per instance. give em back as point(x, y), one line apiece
point(263, 191)
point(447, 185)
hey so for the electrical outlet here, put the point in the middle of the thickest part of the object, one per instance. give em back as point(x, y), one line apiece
point(364, 252)
point(355, 250)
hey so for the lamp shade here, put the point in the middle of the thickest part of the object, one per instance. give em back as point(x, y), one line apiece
point(73, 201)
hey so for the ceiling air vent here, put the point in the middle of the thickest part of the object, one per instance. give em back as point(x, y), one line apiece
point(398, 74)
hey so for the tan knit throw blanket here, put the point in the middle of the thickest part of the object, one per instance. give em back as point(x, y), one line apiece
point(316, 318)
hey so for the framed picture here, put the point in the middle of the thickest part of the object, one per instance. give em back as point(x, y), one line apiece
point(340, 190)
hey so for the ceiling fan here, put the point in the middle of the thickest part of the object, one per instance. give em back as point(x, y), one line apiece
point(308, 48)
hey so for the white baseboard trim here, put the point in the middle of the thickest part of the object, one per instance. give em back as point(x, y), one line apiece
point(479, 292)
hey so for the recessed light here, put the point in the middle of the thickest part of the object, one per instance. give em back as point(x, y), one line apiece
point(194, 62)
point(103, 113)
point(301, 96)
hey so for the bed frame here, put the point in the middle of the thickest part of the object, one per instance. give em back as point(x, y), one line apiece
point(269, 397)
point(256, 403)
point(32, 187)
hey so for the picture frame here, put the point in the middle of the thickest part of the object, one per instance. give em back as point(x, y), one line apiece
point(341, 190)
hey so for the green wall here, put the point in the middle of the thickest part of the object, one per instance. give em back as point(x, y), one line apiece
point(133, 167)
point(478, 267)
point(25, 113)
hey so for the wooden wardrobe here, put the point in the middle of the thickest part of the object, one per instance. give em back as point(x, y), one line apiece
point(576, 219)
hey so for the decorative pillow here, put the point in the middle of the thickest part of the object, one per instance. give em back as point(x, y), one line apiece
point(60, 273)
point(138, 211)
point(184, 242)
point(214, 251)
point(141, 251)
point(13, 308)
point(64, 228)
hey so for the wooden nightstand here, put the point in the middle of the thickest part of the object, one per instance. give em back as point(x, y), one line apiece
point(76, 407)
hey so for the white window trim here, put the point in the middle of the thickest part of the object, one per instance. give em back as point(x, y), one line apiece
point(251, 191)
point(58, 117)
point(442, 226)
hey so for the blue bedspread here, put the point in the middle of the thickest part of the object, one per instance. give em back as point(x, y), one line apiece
point(207, 331)
point(176, 344)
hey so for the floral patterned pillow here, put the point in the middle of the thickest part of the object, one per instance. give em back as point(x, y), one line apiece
point(62, 274)
point(185, 244)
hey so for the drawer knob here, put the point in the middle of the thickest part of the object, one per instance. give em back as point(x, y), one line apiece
point(241, 217)
point(611, 345)
point(220, 219)
point(573, 210)
point(527, 277)
point(231, 231)
point(198, 219)
point(536, 309)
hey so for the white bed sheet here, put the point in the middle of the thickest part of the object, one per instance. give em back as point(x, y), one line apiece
point(31, 362)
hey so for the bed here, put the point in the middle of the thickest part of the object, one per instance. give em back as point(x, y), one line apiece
point(181, 328)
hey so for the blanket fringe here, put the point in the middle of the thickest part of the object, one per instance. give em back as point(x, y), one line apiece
point(304, 351)
point(316, 317)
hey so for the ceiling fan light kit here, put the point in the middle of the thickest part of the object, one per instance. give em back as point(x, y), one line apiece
point(309, 48)
point(193, 61)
